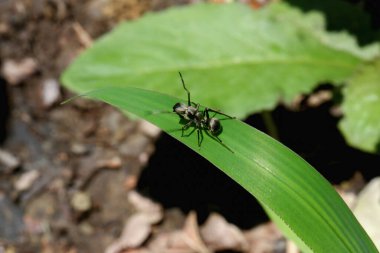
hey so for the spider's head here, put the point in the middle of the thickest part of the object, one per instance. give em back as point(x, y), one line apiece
point(180, 109)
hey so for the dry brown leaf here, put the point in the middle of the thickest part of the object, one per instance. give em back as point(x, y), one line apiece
point(17, 71)
point(319, 97)
point(139, 226)
point(187, 240)
point(83, 36)
point(130, 182)
point(136, 231)
point(8, 162)
point(218, 234)
point(152, 211)
point(149, 129)
point(349, 197)
point(192, 235)
point(170, 243)
point(367, 210)
point(136, 251)
point(291, 247)
point(349, 189)
point(265, 238)
point(26, 180)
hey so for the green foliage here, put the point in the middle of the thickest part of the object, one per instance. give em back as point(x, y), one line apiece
point(234, 59)
point(361, 108)
point(298, 196)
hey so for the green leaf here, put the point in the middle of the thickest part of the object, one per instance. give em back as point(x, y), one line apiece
point(281, 180)
point(233, 58)
point(361, 107)
point(286, 230)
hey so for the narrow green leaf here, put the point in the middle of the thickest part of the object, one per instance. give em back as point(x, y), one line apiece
point(286, 230)
point(298, 195)
point(233, 58)
point(361, 107)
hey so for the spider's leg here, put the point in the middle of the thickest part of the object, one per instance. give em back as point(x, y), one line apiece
point(200, 137)
point(216, 138)
point(205, 112)
point(191, 132)
point(188, 92)
point(185, 127)
point(218, 112)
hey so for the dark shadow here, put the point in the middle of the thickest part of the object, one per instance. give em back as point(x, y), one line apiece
point(360, 18)
point(178, 177)
point(377, 148)
point(313, 134)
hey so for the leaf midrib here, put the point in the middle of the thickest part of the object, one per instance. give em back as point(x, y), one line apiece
point(239, 62)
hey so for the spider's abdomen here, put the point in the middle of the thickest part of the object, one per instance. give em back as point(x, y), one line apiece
point(214, 126)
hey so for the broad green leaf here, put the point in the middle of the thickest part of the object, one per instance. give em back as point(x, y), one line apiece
point(281, 180)
point(361, 107)
point(233, 58)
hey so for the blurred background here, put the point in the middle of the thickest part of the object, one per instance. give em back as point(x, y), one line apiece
point(82, 177)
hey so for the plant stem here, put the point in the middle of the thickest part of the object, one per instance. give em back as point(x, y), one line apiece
point(270, 125)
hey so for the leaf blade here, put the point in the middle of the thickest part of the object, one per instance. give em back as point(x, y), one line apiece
point(276, 176)
point(361, 108)
point(260, 57)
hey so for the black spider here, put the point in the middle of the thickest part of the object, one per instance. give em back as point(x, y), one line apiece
point(191, 115)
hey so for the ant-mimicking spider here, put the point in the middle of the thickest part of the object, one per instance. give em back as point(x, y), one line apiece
point(201, 120)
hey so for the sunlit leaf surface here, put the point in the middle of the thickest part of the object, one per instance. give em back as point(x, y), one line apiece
point(233, 58)
point(361, 108)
